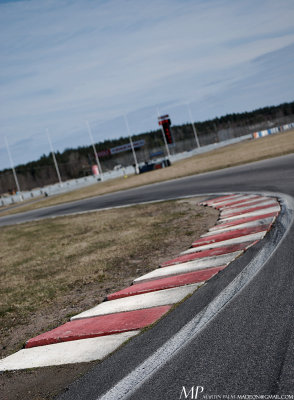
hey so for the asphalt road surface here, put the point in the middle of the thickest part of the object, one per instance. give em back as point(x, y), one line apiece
point(247, 348)
point(275, 175)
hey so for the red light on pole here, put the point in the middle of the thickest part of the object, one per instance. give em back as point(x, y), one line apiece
point(167, 133)
point(165, 122)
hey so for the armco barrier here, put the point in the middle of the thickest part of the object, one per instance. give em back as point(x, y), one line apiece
point(74, 184)
point(274, 130)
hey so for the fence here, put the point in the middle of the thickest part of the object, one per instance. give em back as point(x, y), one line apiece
point(271, 131)
point(74, 184)
point(179, 150)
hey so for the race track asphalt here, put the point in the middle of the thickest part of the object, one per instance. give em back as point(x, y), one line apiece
point(274, 175)
point(248, 346)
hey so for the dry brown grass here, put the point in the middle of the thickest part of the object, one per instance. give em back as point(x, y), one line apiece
point(55, 268)
point(52, 269)
point(248, 151)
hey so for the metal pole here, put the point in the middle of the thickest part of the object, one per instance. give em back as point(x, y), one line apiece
point(13, 169)
point(164, 138)
point(94, 149)
point(132, 146)
point(54, 158)
point(193, 126)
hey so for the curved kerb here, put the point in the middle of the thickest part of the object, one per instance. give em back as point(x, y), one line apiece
point(245, 218)
point(127, 386)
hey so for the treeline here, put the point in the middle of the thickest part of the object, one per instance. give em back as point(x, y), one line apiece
point(76, 162)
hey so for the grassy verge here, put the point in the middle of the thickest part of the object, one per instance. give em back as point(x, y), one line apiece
point(237, 154)
point(53, 269)
point(56, 268)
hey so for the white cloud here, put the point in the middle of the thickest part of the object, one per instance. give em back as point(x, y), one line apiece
point(66, 61)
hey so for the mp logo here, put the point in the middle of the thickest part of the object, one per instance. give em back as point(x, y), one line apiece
point(191, 393)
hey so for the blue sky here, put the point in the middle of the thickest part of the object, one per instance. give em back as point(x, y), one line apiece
point(63, 62)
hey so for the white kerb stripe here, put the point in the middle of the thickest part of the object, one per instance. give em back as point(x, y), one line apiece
point(190, 266)
point(140, 301)
point(76, 351)
point(248, 207)
point(228, 201)
point(251, 214)
point(265, 221)
point(245, 202)
point(239, 239)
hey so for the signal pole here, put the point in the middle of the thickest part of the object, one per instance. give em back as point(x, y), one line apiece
point(13, 169)
point(94, 149)
point(164, 138)
point(193, 125)
point(132, 145)
point(54, 158)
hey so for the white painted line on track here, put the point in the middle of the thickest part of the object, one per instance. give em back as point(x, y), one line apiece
point(76, 351)
point(189, 266)
point(140, 301)
point(240, 239)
